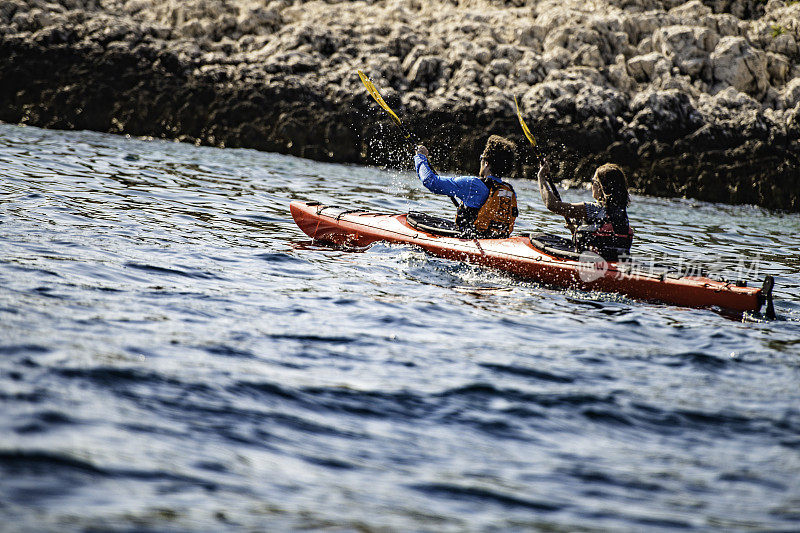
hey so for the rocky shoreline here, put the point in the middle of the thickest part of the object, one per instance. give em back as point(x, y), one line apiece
point(696, 99)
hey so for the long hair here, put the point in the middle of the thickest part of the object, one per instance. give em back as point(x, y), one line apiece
point(614, 185)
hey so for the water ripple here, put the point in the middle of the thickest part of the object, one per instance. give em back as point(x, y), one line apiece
point(177, 356)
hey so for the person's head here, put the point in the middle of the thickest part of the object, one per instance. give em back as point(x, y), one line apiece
point(498, 156)
point(609, 186)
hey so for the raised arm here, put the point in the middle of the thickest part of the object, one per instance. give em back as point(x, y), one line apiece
point(432, 181)
point(552, 203)
point(429, 178)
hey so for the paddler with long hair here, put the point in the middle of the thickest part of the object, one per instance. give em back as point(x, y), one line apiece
point(488, 207)
point(600, 227)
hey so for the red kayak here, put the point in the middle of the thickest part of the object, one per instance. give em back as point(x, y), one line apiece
point(540, 258)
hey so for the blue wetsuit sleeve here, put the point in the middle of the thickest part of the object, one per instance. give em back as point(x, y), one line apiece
point(468, 189)
point(429, 178)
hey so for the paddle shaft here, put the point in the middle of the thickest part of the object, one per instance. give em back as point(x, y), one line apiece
point(538, 156)
point(410, 138)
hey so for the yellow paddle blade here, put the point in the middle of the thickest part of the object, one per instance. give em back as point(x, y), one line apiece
point(525, 129)
point(376, 95)
point(529, 135)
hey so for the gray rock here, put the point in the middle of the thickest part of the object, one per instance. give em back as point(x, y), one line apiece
point(688, 47)
point(791, 94)
point(735, 63)
point(778, 66)
point(785, 44)
point(425, 70)
point(691, 11)
point(643, 68)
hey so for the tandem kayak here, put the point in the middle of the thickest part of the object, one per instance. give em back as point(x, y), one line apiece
point(538, 257)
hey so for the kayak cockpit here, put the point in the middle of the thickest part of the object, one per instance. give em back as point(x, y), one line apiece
point(435, 225)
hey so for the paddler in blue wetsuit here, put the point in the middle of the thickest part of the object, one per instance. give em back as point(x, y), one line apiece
point(600, 227)
point(488, 206)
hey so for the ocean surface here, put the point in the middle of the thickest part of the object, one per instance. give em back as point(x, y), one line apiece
point(176, 355)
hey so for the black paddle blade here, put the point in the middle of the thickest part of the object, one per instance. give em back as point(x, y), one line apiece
point(766, 295)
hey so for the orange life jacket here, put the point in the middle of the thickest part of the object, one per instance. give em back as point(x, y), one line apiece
point(495, 218)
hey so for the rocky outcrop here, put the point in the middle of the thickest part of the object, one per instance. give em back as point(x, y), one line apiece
point(698, 99)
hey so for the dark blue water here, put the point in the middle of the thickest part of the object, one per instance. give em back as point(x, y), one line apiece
point(176, 356)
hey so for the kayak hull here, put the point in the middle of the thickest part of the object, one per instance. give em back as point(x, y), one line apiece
point(518, 256)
